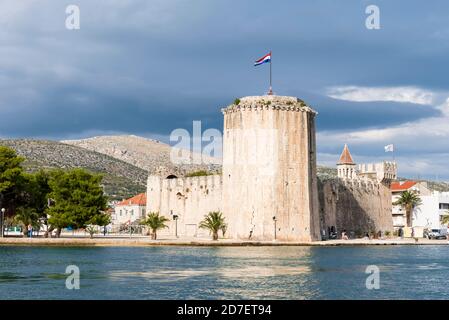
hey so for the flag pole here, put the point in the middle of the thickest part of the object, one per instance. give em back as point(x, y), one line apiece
point(271, 61)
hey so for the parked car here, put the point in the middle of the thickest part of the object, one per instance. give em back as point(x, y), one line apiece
point(436, 234)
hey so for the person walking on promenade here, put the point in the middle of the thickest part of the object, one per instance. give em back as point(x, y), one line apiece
point(30, 231)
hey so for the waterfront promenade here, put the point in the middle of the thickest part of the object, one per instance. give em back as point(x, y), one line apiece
point(142, 241)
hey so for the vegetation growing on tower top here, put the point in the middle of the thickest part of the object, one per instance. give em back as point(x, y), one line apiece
point(199, 173)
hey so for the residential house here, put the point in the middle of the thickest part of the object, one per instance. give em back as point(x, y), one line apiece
point(130, 210)
point(427, 215)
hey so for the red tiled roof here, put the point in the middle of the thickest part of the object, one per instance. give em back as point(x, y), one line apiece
point(402, 186)
point(346, 157)
point(139, 200)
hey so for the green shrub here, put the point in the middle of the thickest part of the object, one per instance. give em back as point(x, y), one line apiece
point(199, 173)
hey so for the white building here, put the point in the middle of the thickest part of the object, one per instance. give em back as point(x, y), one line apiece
point(434, 206)
point(428, 214)
point(130, 210)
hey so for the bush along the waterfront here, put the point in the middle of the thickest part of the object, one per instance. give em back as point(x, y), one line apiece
point(59, 198)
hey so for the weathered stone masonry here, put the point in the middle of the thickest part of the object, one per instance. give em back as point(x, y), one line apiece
point(189, 198)
point(358, 207)
point(269, 183)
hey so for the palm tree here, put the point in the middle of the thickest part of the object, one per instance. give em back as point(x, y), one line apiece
point(408, 200)
point(445, 219)
point(214, 222)
point(155, 222)
point(25, 217)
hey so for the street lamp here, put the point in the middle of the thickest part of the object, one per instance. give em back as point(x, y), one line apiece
point(274, 220)
point(2, 220)
point(175, 217)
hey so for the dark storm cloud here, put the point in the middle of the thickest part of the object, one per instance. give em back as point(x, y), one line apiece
point(148, 67)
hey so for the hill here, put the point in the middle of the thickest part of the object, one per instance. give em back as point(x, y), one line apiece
point(438, 186)
point(141, 152)
point(149, 154)
point(121, 179)
point(123, 160)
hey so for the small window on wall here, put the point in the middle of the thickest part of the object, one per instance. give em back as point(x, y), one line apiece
point(444, 206)
point(132, 212)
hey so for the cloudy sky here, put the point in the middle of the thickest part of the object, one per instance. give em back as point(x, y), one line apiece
point(146, 67)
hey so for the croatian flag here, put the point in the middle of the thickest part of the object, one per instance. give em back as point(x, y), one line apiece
point(266, 58)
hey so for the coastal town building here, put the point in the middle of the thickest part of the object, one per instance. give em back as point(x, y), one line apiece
point(130, 210)
point(429, 214)
point(268, 188)
point(432, 210)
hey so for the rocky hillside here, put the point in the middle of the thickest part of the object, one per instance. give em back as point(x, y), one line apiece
point(121, 179)
point(144, 153)
point(326, 173)
point(124, 161)
point(438, 186)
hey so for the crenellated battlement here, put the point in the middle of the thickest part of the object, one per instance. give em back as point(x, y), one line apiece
point(259, 103)
point(361, 184)
point(209, 181)
point(384, 172)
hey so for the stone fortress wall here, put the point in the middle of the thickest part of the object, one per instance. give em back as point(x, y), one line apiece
point(269, 187)
point(188, 198)
point(358, 206)
point(359, 201)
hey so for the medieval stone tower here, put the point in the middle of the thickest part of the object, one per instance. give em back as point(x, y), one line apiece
point(269, 169)
point(346, 167)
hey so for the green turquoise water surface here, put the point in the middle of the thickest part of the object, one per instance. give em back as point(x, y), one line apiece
point(406, 272)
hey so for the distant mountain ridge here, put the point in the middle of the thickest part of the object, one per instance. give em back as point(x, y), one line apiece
point(121, 179)
point(123, 160)
point(147, 154)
